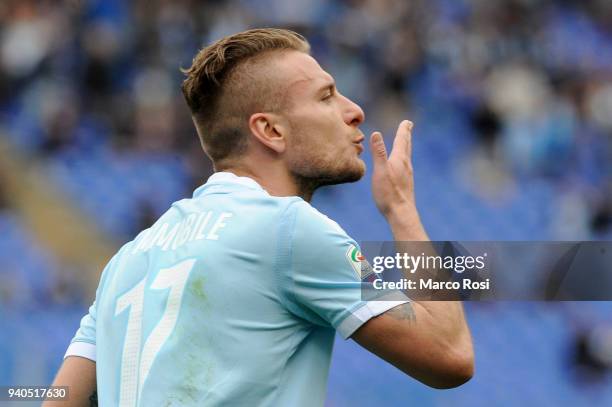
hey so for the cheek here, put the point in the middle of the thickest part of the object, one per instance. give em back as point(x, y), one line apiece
point(318, 137)
point(312, 153)
point(318, 151)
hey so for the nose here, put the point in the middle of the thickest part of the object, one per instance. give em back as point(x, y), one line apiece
point(353, 114)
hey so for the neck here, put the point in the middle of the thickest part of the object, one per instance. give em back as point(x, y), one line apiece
point(276, 180)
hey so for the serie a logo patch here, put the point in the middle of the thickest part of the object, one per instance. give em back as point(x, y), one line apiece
point(360, 264)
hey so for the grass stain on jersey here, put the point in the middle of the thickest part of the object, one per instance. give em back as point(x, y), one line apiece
point(193, 386)
point(197, 289)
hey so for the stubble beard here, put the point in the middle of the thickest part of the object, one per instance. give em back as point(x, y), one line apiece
point(310, 174)
point(312, 170)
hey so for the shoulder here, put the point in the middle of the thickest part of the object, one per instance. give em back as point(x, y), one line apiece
point(310, 223)
point(317, 239)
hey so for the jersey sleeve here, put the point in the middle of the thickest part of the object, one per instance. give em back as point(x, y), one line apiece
point(83, 343)
point(323, 282)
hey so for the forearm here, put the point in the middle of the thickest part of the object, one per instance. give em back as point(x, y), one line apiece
point(444, 319)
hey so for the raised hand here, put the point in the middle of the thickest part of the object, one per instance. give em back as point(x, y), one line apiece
point(393, 184)
point(392, 180)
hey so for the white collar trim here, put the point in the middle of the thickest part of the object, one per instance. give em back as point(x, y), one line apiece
point(224, 177)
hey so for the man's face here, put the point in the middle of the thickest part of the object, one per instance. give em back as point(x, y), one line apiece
point(324, 141)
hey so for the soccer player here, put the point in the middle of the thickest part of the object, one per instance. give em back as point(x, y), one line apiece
point(233, 297)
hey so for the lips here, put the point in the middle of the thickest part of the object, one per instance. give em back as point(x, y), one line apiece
point(358, 144)
point(359, 147)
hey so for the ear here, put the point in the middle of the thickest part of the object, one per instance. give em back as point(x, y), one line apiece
point(270, 130)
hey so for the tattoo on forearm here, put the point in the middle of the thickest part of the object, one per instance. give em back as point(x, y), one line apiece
point(403, 312)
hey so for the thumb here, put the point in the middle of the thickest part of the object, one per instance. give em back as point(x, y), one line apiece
point(379, 151)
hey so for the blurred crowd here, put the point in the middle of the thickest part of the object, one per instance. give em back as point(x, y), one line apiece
point(529, 82)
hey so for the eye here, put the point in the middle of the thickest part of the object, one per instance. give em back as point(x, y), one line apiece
point(329, 93)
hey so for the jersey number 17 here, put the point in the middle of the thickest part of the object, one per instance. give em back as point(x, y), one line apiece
point(136, 361)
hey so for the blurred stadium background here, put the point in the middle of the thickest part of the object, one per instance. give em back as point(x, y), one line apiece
point(512, 101)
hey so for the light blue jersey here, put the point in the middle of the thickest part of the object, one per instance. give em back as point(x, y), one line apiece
point(231, 298)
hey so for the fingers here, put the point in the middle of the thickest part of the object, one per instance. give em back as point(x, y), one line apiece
point(402, 145)
point(379, 151)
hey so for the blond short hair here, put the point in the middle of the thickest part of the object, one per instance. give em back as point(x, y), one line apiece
point(227, 82)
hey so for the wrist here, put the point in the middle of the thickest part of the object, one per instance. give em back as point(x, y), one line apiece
point(401, 213)
point(405, 223)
